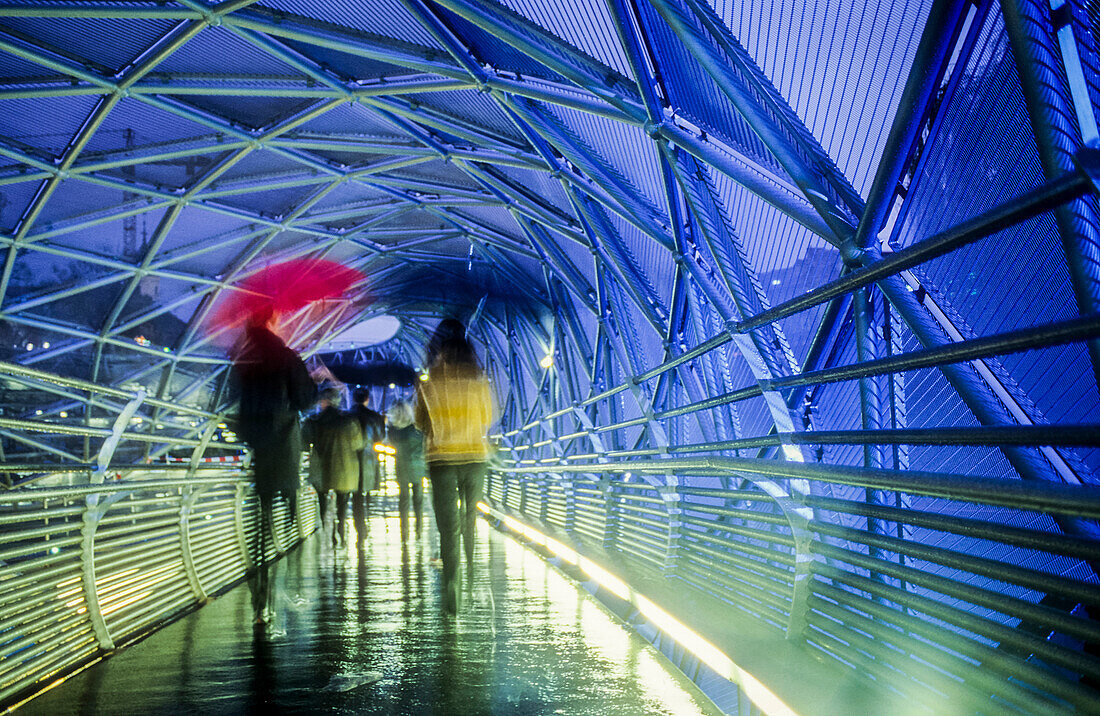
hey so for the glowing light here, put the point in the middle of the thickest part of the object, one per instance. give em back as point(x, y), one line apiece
point(30, 346)
point(384, 449)
point(567, 554)
point(706, 652)
point(710, 655)
point(38, 412)
point(605, 579)
point(63, 414)
point(793, 454)
point(424, 377)
point(547, 361)
point(122, 605)
point(393, 385)
point(46, 345)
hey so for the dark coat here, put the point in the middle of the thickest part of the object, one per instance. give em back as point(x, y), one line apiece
point(336, 442)
point(274, 387)
point(374, 429)
point(409, 460)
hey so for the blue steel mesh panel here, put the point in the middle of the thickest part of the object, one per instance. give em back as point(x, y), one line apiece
point(106, 45)
point(382, 17)
point(693, 93)
point(503, 56)
point(257, 164)
point(17, 197)
point(356, 120)
point(470, 109)
point(45, 124)
point(218, 50)
point(251, 112)
point(435, 172)
point(354, 66)
point(1086, 29)
point(12, 67)
point(134, 123)
point(584, 24)
point(626, 148)
point(81, 203)
point(841, 67)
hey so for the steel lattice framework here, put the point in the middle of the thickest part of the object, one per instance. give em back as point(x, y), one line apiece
point(826, 251)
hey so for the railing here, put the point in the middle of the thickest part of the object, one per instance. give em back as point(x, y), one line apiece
point(84, 569)
point(919, 618)
point(969, 593)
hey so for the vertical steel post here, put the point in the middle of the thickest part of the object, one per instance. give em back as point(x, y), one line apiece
point(1057, 136)
point(188, 497)
point(238, 524)
point(92, 514)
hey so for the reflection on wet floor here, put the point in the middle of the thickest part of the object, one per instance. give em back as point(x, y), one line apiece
point(371, 638)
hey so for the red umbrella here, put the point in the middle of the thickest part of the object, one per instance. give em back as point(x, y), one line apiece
point(279, 289)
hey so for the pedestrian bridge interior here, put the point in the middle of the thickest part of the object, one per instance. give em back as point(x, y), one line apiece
point(790, 311)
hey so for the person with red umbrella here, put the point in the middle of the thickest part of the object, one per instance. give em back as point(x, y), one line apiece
point(274, 387)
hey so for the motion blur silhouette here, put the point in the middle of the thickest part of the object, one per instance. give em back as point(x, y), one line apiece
point(454, 410)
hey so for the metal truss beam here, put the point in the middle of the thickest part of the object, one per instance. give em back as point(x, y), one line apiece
point(737, 76)
point(1058, 136)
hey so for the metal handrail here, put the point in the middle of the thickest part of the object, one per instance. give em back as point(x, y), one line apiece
point(840, 583)
point(84, 568)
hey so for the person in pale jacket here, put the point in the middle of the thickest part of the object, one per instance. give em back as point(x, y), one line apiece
point(335, 440)
point(408, 443)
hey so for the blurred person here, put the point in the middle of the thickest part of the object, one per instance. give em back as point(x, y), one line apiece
point(454, 410)
point(336, 442)
point(274, 387)
point(408, 442)
point(373, 427)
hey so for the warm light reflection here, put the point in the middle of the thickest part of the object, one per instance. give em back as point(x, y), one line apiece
point(706, 652)
point(123, 604)
point(603, 633)
point(605, 579)
point(567, 554)
point(659, 685)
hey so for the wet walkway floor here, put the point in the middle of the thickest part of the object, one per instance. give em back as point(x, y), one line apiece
point(370, 638)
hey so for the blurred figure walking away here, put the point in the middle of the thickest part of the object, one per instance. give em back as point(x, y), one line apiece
point(408, 441)
point(374, 428)
point(454, 410)
point(274, 388)
point(336, 442)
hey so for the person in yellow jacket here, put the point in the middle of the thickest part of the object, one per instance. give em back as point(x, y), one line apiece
point(454, 410)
